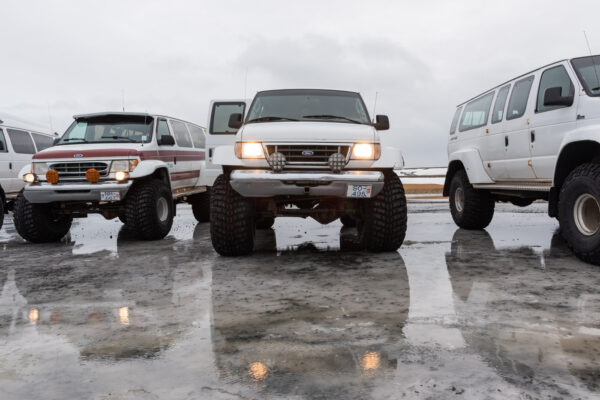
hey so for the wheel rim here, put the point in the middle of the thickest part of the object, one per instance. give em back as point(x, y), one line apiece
point(459, 199)
point(162, 209)
point(586, 214)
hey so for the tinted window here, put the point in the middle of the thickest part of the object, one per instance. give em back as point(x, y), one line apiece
point(162, 129)
point(219, 121)
point(518, 98)
point(554, 77)
point(498, 112)
point(588, 72)
point(182, 137)
point(3, 146)
point(41, 141)
point(455, 120)
point(476, 113)
point(197, 136)
point(21, 141)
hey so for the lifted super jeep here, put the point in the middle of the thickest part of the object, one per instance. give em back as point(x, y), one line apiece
point(304, 153)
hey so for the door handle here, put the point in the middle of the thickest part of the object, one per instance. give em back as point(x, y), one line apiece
point(174, 160)
point(210, 151)
point(506, 141)
point(9, 165)
point(532, 136)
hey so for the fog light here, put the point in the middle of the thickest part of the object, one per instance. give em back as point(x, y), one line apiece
point(52, 176)
point(121, 176)
point(337, 162)
point(30, 178)
point(92, 175)
point(277, 161)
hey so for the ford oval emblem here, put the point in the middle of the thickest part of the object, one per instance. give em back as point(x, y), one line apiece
point(78, 155)
point(308, 153)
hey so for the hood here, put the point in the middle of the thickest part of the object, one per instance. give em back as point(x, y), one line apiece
point(90, 150)
point(307, 131)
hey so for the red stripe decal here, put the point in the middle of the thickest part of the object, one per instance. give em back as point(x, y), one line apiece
point(178, 176)
point(162, 155)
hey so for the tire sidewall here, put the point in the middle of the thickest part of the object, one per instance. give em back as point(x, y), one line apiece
point(569, 194)
point(457, 183)
point(164, 192)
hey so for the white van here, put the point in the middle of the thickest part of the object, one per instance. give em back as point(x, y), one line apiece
point(534, 137)
point(18, 143)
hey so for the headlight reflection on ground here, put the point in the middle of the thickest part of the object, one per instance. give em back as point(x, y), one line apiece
point(124, 315)
point(34, 315)
point(369, 361)
point(258, 371)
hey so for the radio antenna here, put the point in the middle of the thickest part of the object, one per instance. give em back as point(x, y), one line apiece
point(123, 99)
point(245, 82)
point(374, 107)
point(592, 57)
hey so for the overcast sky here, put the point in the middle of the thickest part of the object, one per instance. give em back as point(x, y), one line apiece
point(60, 58)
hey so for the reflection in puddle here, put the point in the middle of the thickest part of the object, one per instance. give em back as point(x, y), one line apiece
point(124, 315)
point(258, 371)
point(34, 315)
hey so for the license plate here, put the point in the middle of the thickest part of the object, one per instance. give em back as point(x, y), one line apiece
point(359, 191)
point(110, 196)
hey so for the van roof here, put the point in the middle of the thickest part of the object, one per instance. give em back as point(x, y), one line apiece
point(126, 113)
point(301, 91)
point(513, 79)
point(11, 121)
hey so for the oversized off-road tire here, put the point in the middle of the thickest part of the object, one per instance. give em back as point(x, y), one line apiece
point(201, 206)
point(232, 220)
point(348, 221)
point(149, 209)
point(470, 208)
point(382, 225)
point(579, 212)
point(37, 223)
point(122, 217)
point(1, 212)
point(264, 222)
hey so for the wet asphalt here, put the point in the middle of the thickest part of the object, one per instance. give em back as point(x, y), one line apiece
point(498, 314)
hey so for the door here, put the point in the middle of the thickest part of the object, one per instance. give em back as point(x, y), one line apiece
point(550, 123)
point(493, 150)
point(517, 147)
point(219, 132)
point(23, 149)
point(5, 161)
point(166, 153)
point(186, 160)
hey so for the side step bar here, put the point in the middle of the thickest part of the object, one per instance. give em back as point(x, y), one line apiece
point(528, 186)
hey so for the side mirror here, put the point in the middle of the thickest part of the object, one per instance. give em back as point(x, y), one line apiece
point(553, 97)
point(166, 140)
point(55, 141)
point(382, 123)
point(235, 121)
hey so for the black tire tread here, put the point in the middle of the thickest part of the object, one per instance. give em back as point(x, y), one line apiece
point(478, 209)
point(348, 221)
point(140, 209)
point(264, 222)
point(201, 206)
point(34, 223)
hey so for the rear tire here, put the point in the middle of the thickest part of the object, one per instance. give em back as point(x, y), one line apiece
point(383, 221)
point(201, 206)
point(348, 221)
point(470, 208)
point(232, 220)
point(579, 212)
point(1, 212)
point(264, 222)
point(37, 223)
point(149, 209)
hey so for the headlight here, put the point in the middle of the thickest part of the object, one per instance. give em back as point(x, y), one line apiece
point(39, 168)
point(249, 150)
point(366, 151)
point(123, 165)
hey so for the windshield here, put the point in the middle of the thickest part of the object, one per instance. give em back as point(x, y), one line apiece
point(308, 105)
point(109, 129)
point(588, 72)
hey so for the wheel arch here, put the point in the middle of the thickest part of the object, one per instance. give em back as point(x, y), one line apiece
point(573, 155)
point(453, 168)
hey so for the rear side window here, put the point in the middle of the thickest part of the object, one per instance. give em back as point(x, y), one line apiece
point(455, 120)
point(41, 142)
point(21, 141)
point(476, 113)
point(518, 98)
point(3, 146)
point(219, 119)
point(197, 136)
point(182, 136)
point(554, 77)
point(498, 111)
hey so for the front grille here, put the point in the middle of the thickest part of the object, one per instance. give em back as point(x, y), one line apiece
point(75, 170)
point(307, 154)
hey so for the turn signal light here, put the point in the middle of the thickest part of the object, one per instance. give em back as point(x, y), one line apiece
point(52, 176)
point(92, 175)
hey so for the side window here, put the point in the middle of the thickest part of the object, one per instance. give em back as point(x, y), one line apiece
point(21, 141)
point(162, 129)
point(41, 141)
point(476, 113)
point(182, 136)
point(518, 98)
point(498, 111)
point(197, 136)
point(219, 118)
point(554, 77)
point(3, 145)
point(455, 120)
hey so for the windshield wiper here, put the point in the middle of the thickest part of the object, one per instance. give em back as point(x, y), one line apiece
point(74, 138)
point(270, 118)
point(118, 137)
point(327, 116)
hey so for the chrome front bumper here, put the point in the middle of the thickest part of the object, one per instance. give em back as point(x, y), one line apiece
point(73, 191)
point(265, 183)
